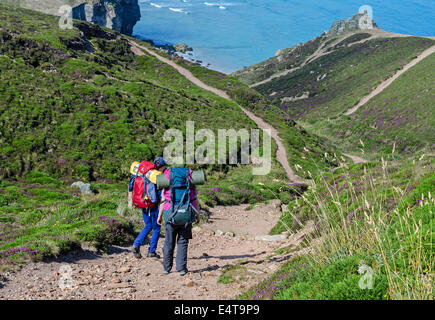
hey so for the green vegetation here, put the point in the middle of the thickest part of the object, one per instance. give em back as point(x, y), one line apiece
point(304, 150)
point(243, 187)
point(338, 80)
point(79, 105)
point(287, 59)
point(41, 216)
point(398, 118)
point(377, 216)
point(83, 108)
point(401, 117)
point(232, 273)
point(349, 40)
point(86, 108)
point(368, 217)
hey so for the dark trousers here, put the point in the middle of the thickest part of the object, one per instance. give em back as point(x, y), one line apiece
point(180, 235)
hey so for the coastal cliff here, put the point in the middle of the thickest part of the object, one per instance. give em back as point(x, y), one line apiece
point(119, 15)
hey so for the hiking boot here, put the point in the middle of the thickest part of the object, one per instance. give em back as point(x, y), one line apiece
point(183, 272)
point(153, 255)
point(136, 252)
point(165, 272)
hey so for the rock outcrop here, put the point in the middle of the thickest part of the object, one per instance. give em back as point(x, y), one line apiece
point(360, 21)
point(119, 15)
point(182, 47)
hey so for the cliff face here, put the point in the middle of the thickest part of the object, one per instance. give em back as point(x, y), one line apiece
point(119, 15)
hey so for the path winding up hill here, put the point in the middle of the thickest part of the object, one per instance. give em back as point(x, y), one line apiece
point(389, 81)
point(280, 154)
point(328, 48)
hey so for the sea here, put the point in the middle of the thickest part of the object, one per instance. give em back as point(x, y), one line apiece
point(229, 35)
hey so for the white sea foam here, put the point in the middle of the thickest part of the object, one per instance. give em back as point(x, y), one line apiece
point(155, 5)
point(178, 10)
point(218, 4)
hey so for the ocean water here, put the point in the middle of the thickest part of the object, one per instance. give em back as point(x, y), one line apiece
point(231, 34)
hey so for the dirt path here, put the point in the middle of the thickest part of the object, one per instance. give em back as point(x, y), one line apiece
point(137, 49)
point(389, 81)
point(232, 236)
point(285, 72)
point(355, 159)
point(312, 57)
point(321, 51)
point(227, 239)
point(281, 154)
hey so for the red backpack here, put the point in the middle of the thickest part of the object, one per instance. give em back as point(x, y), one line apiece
point(140, 194)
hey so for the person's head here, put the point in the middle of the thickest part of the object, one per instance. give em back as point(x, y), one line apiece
point(161, 164)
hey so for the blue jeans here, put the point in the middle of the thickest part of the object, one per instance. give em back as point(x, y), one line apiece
point(150, 224)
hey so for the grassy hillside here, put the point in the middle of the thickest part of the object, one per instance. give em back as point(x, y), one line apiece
point(285, 59)
point(86, 106)
point(78, 105)
point(374, 215)
point(307, 154)
point(338, 80)
point(401, 117)
point(318, 94)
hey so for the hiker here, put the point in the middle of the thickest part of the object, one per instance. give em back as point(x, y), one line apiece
point(149, 214)
point(180, 209)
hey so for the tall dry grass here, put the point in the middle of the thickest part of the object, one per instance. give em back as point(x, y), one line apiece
point(374, 219)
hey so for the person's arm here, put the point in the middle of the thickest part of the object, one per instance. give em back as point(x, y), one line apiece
point(131, 183)
point(160, 217)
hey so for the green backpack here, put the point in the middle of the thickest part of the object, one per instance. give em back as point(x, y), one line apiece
point(181, 212)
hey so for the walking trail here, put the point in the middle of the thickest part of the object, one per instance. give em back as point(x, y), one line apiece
point(389, 81)
point(281, 154)
point(323, 50)
point(232, 236)
point(227, 239)
point(355, 159)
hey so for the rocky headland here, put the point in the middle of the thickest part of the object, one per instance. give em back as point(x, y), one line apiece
point(119, 15)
